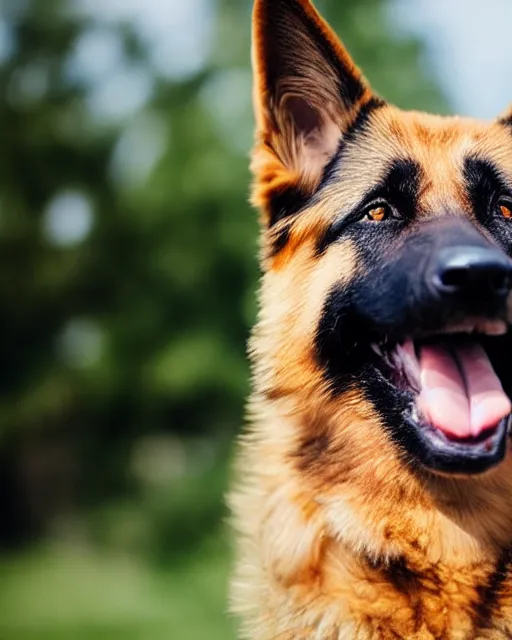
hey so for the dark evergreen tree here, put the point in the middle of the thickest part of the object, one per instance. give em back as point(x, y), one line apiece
point(128, 265)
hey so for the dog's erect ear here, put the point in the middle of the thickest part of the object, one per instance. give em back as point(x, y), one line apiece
point(307, 92)
point(506, 118)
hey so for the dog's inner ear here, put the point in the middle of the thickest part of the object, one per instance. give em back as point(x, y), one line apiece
point(307, 92)
point(306, 118)
point(314, 133)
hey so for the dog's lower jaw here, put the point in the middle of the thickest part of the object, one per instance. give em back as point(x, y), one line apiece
point(332, 564)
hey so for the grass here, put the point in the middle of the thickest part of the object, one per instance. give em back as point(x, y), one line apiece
point(63, 592)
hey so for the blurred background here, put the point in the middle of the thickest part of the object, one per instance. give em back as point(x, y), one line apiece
point(127, 278)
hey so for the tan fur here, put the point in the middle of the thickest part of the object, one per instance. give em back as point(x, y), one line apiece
point(507, 116)
point(337, 538)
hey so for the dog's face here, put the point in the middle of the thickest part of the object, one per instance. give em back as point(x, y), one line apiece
point(387, 243)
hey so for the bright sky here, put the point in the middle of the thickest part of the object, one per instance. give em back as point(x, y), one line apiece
point(179, 32)
point(469, 43)
point(470, 47)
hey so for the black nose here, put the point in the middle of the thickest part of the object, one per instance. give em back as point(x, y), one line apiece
point(472, 271)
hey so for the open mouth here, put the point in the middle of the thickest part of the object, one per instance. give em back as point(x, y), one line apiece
point(457, 407)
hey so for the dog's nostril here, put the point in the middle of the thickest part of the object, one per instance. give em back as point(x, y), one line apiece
point(454, 278)
point(457, 278)
point(500, 282)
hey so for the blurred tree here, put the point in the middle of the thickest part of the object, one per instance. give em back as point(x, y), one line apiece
point(128, 258)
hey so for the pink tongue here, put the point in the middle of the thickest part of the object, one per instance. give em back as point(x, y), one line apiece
point(461, 394)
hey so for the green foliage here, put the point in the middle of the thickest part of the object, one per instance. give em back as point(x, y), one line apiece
point(127, 277)
point(72, 592)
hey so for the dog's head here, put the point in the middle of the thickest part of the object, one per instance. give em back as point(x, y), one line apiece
point(386, 244)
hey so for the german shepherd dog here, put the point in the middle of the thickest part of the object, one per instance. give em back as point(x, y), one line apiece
point(374, 483)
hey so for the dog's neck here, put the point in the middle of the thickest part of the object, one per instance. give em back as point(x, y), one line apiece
point(379, 507)
point(343, 537)
point(454, 521)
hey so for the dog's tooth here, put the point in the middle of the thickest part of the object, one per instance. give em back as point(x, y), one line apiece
point(415, 414)
point(466, 327)
point(410, 352)
point(376, 348)
point(410, 364)
point(499, 330)
point(399, 354)
point(492, 327)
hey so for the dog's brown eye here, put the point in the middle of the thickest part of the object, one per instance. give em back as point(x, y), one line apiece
point(506, 210)
point(377, 214)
